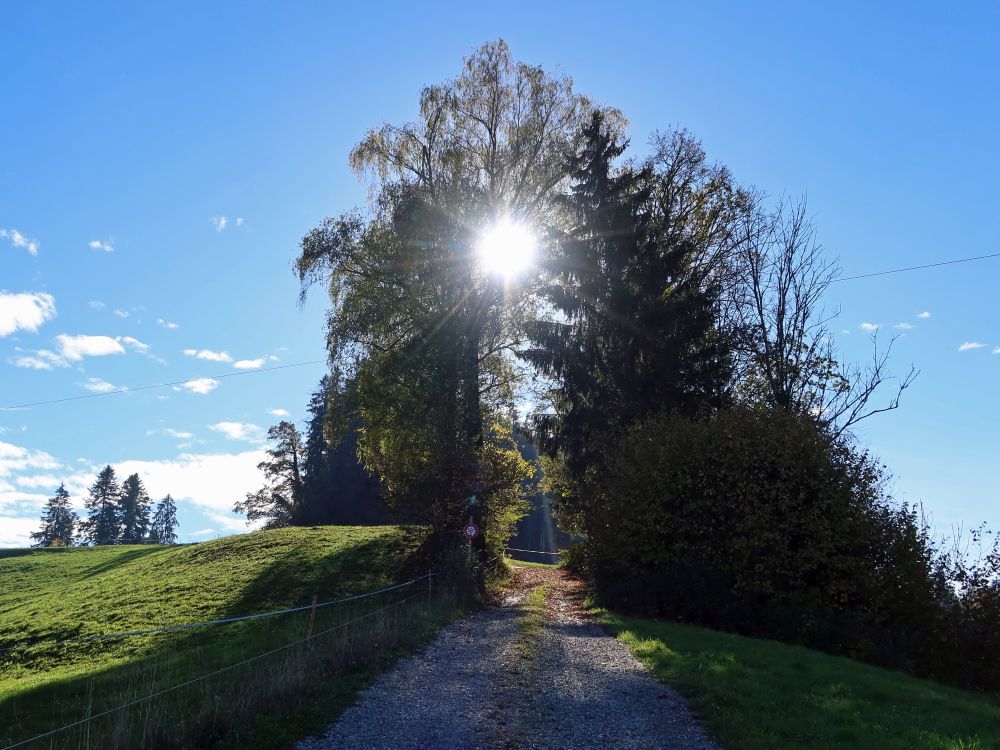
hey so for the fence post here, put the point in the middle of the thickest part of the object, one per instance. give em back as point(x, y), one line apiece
point(312, 617)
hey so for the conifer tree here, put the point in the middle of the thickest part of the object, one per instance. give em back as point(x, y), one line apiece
point(103, 522)
point(635, 332)
point(162, 530)
point(59, 522)
point(133, 511)
point(279, 501)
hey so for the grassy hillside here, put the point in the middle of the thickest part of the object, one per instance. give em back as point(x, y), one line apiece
point(48, 596)
point(763, 695)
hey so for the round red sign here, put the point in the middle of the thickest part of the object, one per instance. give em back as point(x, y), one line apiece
point(470, 530)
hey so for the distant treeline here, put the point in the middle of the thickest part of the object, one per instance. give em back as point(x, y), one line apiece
point(116, 514)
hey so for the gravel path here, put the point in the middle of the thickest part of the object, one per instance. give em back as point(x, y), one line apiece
point(480, 684)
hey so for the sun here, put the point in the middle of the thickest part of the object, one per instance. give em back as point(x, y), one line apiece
point(507, 247)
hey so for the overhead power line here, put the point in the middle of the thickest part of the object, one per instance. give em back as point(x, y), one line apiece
point(918, 268)
point(131, 389)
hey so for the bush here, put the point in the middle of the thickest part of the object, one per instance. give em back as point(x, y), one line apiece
point(757, 521)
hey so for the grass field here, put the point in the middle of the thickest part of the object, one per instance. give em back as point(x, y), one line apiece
point(47, 596)
point(762, 695)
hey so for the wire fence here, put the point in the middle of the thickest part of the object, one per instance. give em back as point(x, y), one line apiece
point(206, 623)
point(222, 670)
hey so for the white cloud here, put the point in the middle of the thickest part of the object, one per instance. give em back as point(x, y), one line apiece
point(96, 385)
point(41, 359)
point(968, 345)
point(96, 304)
point(219, 222)
point(167, 324)
point(75, 348)
point(924, 315)
point(25, 311)
point(179, 434)
point(16, 532)
point(997, 350)
point(134, 344)
point(209, 355)
point(240, 431)
point(211, 480)
point(201, 385)
point(38, 482)
point(121, 313)
point(98, 245)
point(279, 412)
point(869, 327)
point(248, 364)
point(904, 326)
point(19, 240)
point(239, 221)
point(15, 458)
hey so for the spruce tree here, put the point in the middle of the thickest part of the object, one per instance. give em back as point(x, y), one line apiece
point(163, 527)
point(103, 523)
point(58, 521)
point(635, 328)
point(133, 511)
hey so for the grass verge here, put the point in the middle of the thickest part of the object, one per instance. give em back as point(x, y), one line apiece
point(763, 695)
point(52, 595)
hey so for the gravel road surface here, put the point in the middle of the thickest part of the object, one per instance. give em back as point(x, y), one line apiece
point(481, 684)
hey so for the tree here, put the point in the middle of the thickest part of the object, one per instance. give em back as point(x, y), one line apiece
point(103, 521)
point(278, 502)
point(337, 488)
point(134, 511)
point(163, 528)
point(58, 521)
point(633, 330)
point(784, 347)
point(425, 333)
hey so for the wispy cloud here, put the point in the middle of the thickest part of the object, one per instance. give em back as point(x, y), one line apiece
point(904, 326)
point(997, 350)
point(201, 386)
point(167, 324)
point(924, 315)
point(240, 431)
point(208, 354)
point(869, 327)
point(75, 348)
point(96, 304)
point(98, 245)
point(19, 240)
point(121, 313)
point(279, 412)
point(134, 344)
point(219, 222)
point(38, 359)
point(968, 345)
point(248, 364)
point(96, 385)
point(25, 311)
point(179, 434)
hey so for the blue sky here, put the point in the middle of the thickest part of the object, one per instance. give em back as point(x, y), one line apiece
point(130, 130)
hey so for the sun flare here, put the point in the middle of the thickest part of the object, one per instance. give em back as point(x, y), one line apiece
point(507, 247)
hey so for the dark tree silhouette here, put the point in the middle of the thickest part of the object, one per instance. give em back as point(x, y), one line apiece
point(134, 511)
point(103, 521)
point(59, 522)
point(279, 501)
point(163, 528)
point(635, 329)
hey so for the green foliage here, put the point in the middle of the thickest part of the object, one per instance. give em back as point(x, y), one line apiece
point(103, 522)
point(133, 511)
point(762, 695)
point(162, 529)
point(59, 521)
point(635, 330)
point(279, 501)
point(759, 522)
